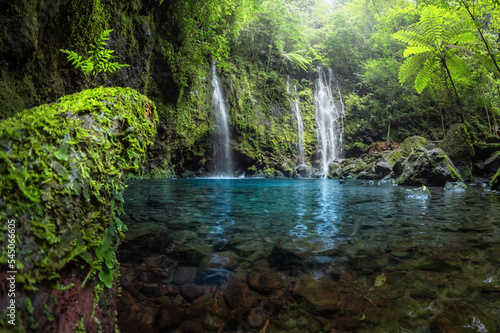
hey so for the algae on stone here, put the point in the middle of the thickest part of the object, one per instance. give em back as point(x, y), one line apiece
point(411, 143)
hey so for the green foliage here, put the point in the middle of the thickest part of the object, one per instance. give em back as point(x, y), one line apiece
point(495, 181)
point(63, 167)
point(98, 57)
point(434, 41)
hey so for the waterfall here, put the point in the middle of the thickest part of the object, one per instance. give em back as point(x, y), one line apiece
point(329, 120)
point(300, 123)
point(223, 164)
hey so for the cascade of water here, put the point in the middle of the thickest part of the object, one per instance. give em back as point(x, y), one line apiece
point(300, 124)
point(329, 120)
point(223, 164)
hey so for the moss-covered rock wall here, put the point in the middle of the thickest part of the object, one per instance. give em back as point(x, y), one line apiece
point(62, 170)
point(166, 66)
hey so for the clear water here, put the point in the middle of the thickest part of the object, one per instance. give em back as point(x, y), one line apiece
point(385, 261)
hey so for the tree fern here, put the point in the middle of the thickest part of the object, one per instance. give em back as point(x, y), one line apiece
point(434, 41)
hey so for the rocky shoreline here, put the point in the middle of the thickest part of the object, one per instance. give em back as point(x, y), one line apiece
point(415, 161)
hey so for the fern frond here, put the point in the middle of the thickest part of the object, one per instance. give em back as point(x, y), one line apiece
point(415, 50)
point(412, 38)
point(411, 65)
point(460, 37)
point(431, 23)
point(424, 75)
point(297, 59)
point(457, 66)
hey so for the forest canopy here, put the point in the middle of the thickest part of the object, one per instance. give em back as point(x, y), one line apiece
point(418, 66)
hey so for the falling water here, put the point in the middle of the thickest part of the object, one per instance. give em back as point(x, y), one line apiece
point(223, 164)
point(329, 118)
point(300, 123)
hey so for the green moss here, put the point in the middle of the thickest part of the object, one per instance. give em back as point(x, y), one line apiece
point(495, 181)
point(62, 167)
point(392, 156)
point(454, 174)
point(412, 143)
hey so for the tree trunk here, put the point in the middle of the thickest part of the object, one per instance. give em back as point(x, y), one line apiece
point(455, 90)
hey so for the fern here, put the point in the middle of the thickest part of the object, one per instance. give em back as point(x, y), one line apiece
point(297, 59)
point(431, 44)
point(424, 75)
point(99, 58)
point(434, 41)
point(411, 66)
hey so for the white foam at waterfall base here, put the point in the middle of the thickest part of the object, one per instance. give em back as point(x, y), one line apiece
point(222, 156)
point(329, 120)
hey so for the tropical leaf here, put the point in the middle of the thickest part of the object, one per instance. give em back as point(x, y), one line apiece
point(412, 38)
point(412, 65)
point(425, 74)
point(415, 50)
point(457, 66)
point(297, 59)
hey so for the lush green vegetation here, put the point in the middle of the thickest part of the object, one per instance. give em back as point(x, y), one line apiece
point(63, 167)
point(404, 68)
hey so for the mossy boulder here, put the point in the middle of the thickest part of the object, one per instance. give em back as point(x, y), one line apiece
point(458, 146)
point(411, 143)
point(429, 167)
point(495, 181)
point(392, 157)
point(62, 170)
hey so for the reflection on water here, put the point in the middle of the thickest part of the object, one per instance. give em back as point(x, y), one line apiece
point(405, 263)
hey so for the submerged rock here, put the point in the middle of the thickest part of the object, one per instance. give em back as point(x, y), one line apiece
point(429, 167)
point(265, 282)
point(458, 146)
point(226, 260)
point(321, 296)
point(455, 187)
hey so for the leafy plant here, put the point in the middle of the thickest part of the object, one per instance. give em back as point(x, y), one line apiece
point(434, 41)
point(98, 58)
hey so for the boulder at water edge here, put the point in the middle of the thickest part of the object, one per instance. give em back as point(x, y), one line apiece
point(411, 143)
point(458, 146)
point(63, 167)
point(429, 167)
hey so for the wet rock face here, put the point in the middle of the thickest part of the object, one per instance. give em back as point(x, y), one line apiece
point(429, 167)
point(383, 168)
point(411, 143)
point(458, 146)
